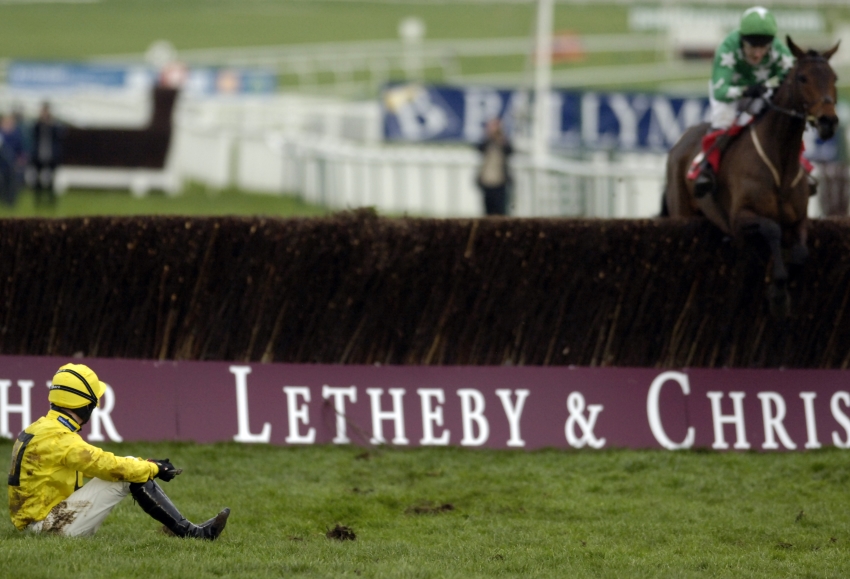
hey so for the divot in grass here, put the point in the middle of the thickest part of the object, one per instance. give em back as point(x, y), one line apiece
point(341, 533)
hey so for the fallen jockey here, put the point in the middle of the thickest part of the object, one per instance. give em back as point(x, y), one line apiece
point(50, 459)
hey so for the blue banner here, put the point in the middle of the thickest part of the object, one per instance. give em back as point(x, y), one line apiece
point(54, 76)
point(67, 75)
point(595, 120)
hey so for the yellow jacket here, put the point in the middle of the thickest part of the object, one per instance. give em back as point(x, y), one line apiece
point(49, 461)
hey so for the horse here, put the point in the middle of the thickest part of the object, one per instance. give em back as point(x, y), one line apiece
point(761, 188)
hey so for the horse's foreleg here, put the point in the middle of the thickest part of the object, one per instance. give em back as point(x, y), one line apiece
point(749, 224)
point(798, 252)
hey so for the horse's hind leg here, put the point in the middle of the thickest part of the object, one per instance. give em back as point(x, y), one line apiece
point(750, 224)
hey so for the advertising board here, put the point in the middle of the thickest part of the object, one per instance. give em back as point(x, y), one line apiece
point(482, 406)
point(580, 119)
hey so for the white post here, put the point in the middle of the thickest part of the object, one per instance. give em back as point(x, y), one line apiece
point(542, 88)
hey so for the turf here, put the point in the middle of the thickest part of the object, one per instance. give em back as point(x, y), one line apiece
point(461, 513)
point(194, 200)
point(124, 26)
point(70, 31)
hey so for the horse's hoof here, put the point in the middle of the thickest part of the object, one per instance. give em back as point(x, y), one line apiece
point(798, 254)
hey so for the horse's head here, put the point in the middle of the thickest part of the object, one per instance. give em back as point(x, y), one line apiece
point(813, 82)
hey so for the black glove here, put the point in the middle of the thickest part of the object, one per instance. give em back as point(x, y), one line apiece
point(754, 91)
point(167, 471)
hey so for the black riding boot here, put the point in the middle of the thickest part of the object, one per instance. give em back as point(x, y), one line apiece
point(705, 181)
point(156, 503)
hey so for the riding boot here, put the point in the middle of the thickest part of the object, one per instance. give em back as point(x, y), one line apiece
point(156, 503)
point(813, 184)
point(705, 182)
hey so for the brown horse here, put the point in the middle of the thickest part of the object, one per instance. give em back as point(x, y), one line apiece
point(761, 187)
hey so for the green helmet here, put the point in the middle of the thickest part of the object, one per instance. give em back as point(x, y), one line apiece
point(758, 21)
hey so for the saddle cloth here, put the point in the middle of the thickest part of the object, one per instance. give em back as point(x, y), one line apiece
point(712, 153)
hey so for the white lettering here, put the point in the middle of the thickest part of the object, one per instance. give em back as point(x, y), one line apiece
point(628, 115)
point(811, 428)
point(513, 413)
point(298, 415)
point(378, 416)
point(840, 418)
point(575, 406)
point(590, 118)
point(103, 415)
point(773, 422)
point(480, 106)
point(737, 418)
point(653, 411)
point(472, 412)
point(432, 416)
point(339, 395)
point(665, 127)
point(245, 435)
point(6, 409)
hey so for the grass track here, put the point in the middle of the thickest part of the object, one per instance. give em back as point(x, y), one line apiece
point(516, 514)
point(194, 200)
point(121, 26)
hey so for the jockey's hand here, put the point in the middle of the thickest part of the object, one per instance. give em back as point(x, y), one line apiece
point(167, 471)
point(754, 91)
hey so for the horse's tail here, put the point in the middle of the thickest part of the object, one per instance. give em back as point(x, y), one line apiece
point(665, 211)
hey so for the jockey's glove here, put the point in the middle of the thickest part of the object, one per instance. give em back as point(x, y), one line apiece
point(167, 471)
point(754, 91)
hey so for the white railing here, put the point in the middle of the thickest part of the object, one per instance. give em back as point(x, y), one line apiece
point(417, 180)
point(364, 66)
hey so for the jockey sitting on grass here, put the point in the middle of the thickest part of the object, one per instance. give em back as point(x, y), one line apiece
point(748, 60)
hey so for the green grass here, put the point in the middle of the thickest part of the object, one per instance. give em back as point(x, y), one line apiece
point(516, 514)
point(120, 26)
point(195, 200)
point(78, 31)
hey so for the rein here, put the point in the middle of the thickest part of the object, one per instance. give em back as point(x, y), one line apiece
point(804, 116)
point(809, 118)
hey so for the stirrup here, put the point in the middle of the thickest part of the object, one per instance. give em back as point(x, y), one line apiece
point(813, 184)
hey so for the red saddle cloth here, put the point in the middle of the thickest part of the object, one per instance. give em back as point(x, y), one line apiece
point(712, 153)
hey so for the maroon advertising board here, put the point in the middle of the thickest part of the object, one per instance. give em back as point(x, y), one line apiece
point(472, 406)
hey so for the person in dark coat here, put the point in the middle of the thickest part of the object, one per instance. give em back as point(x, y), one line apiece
point(45, 154)
point(494, 177)
point(13, 159)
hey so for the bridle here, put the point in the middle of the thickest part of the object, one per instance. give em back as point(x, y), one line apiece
point(805, 115)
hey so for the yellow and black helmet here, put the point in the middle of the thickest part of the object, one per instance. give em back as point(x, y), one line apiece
point(75, 386)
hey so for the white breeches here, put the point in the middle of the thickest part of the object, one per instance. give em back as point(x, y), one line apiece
point(723, 115)
point(82, 513)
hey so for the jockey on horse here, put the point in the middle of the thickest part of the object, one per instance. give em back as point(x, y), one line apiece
point(743, 64)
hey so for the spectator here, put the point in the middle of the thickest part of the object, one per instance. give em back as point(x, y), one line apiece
point(494, 177)
point(45, 154)
point(14, 159)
